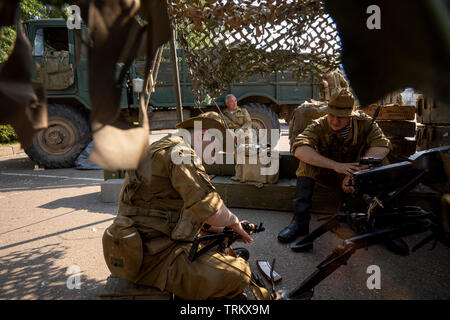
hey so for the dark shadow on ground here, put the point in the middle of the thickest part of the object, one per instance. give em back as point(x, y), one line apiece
point(90, 202)
point(33, 274)
point(17, 163)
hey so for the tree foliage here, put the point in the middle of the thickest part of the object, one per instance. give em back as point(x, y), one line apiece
point(30, 9)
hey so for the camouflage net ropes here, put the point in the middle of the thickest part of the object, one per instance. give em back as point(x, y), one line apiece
point(228, 41)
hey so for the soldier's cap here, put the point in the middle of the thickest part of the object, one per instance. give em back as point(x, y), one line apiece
point(342, 104)
point(209, 120)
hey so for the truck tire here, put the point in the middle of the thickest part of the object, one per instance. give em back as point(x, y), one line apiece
point(263, 118)
point(67, 135)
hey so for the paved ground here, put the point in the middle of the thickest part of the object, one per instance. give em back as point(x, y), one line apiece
point(52, 221)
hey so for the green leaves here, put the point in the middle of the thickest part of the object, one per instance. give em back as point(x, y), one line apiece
point(30, 9)
point(7, 134)
point(7, 38)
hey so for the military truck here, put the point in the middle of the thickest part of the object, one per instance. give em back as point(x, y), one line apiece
point(267, 99)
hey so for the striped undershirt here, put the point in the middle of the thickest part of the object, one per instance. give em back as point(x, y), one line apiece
point(344, 132)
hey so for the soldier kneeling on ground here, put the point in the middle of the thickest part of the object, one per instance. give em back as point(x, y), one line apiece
point(163, 205)
point(329, 150)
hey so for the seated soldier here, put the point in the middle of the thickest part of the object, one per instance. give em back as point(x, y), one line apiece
point(169, 204)
point(237, 118)
point(329, 150)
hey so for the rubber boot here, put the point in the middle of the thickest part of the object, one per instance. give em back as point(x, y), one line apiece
point(301, 204)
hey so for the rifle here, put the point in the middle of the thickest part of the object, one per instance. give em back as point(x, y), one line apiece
point(387, 216)
point(222, 240)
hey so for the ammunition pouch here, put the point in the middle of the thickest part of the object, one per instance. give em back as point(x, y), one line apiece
point(122, 248)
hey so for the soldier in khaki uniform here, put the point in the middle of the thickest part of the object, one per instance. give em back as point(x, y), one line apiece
point(236, 117)
point(332, 83)
point(303, 116)
point(166, 205)
point(329, 150)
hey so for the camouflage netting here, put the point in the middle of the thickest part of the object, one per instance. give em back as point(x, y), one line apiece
point(228, 40)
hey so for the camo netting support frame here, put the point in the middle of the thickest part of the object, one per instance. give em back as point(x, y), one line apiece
point(228, 41)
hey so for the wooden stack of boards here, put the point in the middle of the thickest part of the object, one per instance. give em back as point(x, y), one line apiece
point(399, 125)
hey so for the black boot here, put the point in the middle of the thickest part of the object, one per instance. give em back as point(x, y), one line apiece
point(297, 227)
point(301, 204)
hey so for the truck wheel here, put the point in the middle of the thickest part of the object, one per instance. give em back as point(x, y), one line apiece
point(262, 118)
point(67, 135)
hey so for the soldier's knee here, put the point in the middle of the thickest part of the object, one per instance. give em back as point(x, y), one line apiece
point(243, 274)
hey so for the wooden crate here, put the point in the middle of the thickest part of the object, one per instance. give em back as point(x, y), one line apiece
point(432, 136)
point(397, 129)
point(430, 111)
point(392, 112)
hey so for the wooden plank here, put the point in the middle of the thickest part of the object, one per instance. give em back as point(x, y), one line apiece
point(392, 112)
point(271, 196)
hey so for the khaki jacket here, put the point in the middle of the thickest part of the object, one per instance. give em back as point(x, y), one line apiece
point(330, 144)
point(240, 119)
point(168, 199)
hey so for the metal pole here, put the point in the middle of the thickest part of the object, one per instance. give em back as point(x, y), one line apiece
point(176, 76)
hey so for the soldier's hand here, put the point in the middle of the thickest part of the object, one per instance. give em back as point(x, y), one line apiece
point(245, 237)
point(346, 168)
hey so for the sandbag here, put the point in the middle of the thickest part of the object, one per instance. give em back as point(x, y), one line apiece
point(261, 165)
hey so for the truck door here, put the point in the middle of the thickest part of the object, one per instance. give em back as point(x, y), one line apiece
point(51, 51)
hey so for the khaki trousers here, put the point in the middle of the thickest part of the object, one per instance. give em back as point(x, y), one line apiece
point(212, 275)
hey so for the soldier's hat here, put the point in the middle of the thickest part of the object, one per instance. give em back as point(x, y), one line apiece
point(342, 104)
point(209, 120)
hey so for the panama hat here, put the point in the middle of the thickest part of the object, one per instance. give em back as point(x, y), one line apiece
point(342, 104)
